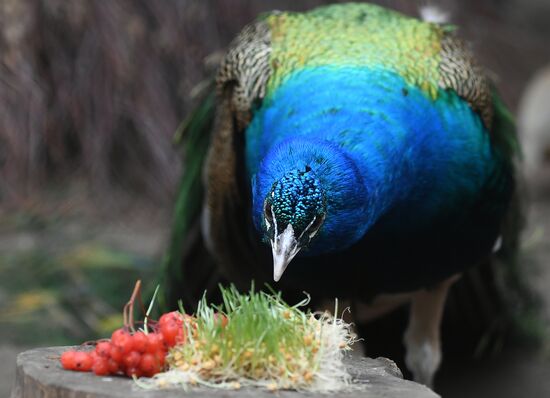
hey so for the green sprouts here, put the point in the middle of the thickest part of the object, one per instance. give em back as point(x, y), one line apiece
point(258, 339)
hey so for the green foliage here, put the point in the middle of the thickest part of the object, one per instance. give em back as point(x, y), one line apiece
point(63, 298)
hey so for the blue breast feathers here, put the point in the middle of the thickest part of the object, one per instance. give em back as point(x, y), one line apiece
point(374, 142)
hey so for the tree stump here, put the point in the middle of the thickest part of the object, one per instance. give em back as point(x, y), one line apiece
point(39, 374)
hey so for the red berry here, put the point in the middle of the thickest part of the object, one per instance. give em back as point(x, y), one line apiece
point(117, 354)
point(171, 327)
point(101, 366)
point(171, 316)
point(170, 333)
point(132, 360)
point(122, 339)
point(173, 333)
point(117, 335)
point(160, 355)
point(154, 342)
point(148, 364)
point(140, 341)
point(68, 360)
point(113, 366)
point(103, 349)
point(94, 355)
point(83, 361)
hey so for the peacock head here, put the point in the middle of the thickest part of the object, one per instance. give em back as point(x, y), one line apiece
point(294, 211)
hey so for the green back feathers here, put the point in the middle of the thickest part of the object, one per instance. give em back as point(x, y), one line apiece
point(356, 35)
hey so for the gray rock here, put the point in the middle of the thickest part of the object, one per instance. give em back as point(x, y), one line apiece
point(40, 375)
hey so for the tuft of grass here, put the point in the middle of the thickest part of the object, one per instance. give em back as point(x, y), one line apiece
point(265, 342)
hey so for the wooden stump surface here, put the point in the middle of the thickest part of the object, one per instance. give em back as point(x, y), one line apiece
point(39, 374)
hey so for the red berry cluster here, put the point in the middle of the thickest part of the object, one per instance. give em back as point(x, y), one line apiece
point(136, 354)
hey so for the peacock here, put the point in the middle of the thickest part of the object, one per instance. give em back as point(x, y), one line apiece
point(349, 151)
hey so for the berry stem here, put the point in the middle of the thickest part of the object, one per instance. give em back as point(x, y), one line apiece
point(128, 311)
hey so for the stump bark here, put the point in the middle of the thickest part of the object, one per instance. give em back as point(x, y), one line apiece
point(39, 374)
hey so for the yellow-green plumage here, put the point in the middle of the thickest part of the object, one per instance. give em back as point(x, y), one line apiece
point(356, 35)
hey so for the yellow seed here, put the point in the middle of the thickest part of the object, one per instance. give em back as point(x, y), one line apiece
point(177, 355)
point(271, 359)
point(308, 376)
point(184, 367)
point(342, 345)
point(308, 339)
point(209, 365)
point(217, 358)
point(272, 386)
point(314, 349)
point(286, 314)
point(215, 349)
point(288, 357)
point(161, 383)
point(194, 361)
point(192, 381)
point(248, 353)
point(236, 385)
point(258, 373)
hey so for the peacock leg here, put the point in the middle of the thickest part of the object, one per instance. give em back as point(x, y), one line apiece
point(422, 337)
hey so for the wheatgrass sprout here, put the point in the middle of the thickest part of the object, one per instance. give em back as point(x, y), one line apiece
point(257, 339)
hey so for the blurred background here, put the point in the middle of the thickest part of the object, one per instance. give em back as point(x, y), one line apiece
point(91, 93)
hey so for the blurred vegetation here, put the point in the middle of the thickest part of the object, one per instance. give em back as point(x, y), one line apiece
point(61, 282)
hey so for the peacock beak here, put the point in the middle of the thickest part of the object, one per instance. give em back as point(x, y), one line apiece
point(284, 248)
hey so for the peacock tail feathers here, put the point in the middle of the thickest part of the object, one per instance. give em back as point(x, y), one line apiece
point(186, 240)
point(494, 302)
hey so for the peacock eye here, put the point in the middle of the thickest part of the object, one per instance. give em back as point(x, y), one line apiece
point(268, 212)
point(318, 220)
